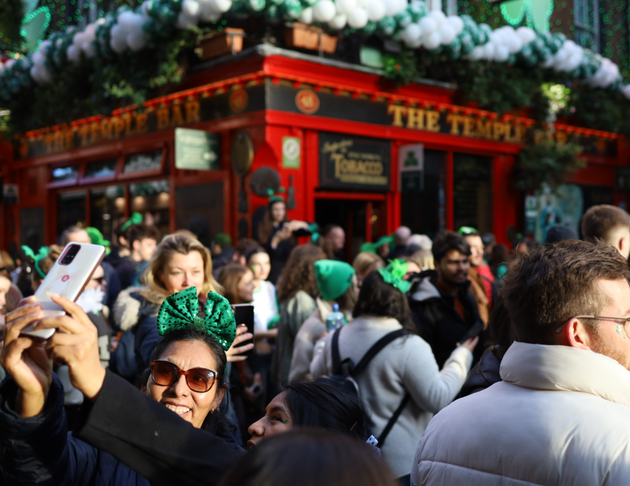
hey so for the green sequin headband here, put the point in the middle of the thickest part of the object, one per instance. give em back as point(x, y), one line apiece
point(181, 311)
point(394, 273)
point(41, 254)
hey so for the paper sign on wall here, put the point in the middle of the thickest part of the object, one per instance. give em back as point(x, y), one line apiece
point(411, 167)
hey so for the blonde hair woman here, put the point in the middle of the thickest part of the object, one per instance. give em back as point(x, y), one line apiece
point(179, 262)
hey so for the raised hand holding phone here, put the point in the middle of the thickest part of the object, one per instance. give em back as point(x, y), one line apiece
point(67, 277)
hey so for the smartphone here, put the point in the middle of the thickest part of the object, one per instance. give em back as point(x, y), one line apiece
point(68, 277)
point(472, 332)
point(244, 314)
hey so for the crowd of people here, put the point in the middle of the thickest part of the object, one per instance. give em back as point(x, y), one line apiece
point(339, 377)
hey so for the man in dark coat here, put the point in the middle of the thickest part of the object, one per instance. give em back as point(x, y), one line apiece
point(442, 306)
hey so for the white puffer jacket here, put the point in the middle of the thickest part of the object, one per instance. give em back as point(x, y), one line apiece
point(560, 417)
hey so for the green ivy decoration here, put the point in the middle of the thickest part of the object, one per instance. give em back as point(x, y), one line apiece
point(599, 109)
point(546, 162)
point(402, 67)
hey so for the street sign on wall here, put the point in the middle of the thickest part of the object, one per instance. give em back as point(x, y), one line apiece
point(353, 162)
point(196, 150)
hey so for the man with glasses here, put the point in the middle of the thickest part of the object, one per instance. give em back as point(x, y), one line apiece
point(561, 415)
point(442, 306)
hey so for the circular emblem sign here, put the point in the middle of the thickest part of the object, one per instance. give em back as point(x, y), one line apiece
point(307, 101)
point(238, 101)
point(291, 148)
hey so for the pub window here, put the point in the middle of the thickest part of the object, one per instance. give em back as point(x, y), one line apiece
point(472, 192)
point(423, 210)
point(107, 210)
point(152, 200)
point(100, 169)
point(70, 210)
point(200, 209)
point(65, 174)
point(143, 162)
point(586, 17)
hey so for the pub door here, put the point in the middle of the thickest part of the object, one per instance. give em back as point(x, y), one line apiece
point(362, 220)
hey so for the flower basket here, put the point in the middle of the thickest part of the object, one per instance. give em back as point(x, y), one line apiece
point(229, 41)
point(302, 36)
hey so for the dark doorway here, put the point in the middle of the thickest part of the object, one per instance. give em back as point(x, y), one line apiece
point(361, 220)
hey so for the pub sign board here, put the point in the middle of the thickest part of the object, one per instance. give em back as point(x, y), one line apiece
point(348, 162)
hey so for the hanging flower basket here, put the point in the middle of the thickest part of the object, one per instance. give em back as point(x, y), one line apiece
point(302, 36)
point(229, 41)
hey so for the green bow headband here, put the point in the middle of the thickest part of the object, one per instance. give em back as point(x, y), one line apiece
point(274, 198)
point(372, 247)
point(136, 218)
point(41, 254)
point(467, 230)
point(181, 311)
point(394, 273)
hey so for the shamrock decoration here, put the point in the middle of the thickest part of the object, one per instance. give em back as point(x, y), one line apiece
point(537, 13)
point(394, 274)
point(181, 311)
point(34, 24)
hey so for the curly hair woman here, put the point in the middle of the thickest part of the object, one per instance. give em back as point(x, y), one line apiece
point(297, 290)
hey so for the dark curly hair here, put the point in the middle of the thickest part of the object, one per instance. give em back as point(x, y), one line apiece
point(299, 274)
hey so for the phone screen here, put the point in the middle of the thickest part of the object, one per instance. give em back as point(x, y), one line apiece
point(244, 314)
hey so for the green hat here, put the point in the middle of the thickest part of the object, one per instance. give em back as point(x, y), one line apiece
point(372, 247)
point(96, 237)
point(136, 218)
point(333, 278)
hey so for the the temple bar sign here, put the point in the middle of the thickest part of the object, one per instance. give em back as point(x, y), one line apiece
point(353, 162)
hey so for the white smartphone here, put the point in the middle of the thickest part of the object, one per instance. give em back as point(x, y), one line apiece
point(68, 277)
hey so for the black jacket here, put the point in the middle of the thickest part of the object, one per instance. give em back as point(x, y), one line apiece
point(434, 314)
point(485, 373)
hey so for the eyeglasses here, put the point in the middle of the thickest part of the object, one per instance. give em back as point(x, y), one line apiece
point(165, 373)
point(625, 321)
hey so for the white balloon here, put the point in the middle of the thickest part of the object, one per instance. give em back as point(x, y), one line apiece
point(447, 34)
point(526, 34)
point(190, 8)
point(78, 39)
point(339, 22)
point(306, 17)
point(345, 6)
point(207, 12)
point(501, 53)
point(358, 18)
point(428, 25)
point(136, 41)
point(432, 41)
point(549, 62)
point(514, 44)
point(438, 16)
point(2, 70)
point(126, 19)
point(391, 7)
point(412, 34)
point(44, 46)
point(324, 11)
point(375, 10)
point(38, 58)
point(476, 53)
point(73, 53)
point(456, 22)
point(34, 72)
point(117, 32)
point(363, 3)
point(89, 49)
point(117, 44)
point(488, 51)
point(9, 64)
point(222, 5)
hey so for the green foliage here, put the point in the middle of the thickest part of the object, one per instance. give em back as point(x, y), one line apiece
point(401, 67)
point(546, 162)
point(599, 109)
point(11, 15)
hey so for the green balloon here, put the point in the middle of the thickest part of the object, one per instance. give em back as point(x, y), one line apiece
point(417, 10)
point(291, 9)
point(386, 26)
point(257, 5)
point(370, 28)
point(403, 19)
point(272, 12)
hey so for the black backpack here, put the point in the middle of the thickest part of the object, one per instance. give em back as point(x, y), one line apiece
point(345, 371)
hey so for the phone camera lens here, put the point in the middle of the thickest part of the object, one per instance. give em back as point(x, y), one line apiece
point(70, 254)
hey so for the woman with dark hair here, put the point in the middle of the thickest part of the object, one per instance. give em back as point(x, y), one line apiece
point(310, 457)
point(337, 284)
point(296, 293)
point(278, 235)
point(403, 378)
point(315, 404)
point(499, 262)
point(185, 377)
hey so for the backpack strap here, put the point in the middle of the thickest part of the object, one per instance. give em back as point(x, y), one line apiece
point(374, 350)
point(392, 420)
point(336, 357)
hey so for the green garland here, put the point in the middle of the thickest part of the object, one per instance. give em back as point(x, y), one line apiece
point(546, 162)
point(599, 109)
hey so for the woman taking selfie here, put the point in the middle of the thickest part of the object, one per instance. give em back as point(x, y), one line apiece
point(185, 377)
